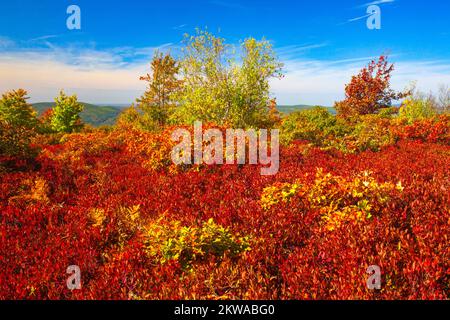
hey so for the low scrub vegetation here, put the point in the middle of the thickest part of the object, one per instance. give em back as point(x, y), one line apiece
point(368, 186)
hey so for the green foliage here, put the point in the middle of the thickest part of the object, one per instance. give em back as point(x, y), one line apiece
point(323, 129)
point(17, 124)
point(316, 125)
point(387, 113)
point(218, 89)
point(128, 116)
point(252, 97)
point(416, 108)
point(370, 132)
point(15, 110)
point(204, 72)
point(172, 241)
point(132, 117)
point(66, 114)
point(288, 109)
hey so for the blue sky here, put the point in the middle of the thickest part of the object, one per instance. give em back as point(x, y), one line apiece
point(322, 43)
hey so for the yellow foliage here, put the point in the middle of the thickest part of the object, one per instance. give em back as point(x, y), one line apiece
point(39, 190)
point(125, 221)
point(338, 199)
point(36, 190)
point(170, 240)
point(97, 217)
point(280, 192)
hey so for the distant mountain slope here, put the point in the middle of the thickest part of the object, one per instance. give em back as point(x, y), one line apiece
point(300, 107)
point(92, 114)
point(107, 115)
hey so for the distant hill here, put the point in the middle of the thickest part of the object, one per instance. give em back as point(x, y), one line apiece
point(98, 115)
point(92, 114)
point(300, 107)
point(116, 105)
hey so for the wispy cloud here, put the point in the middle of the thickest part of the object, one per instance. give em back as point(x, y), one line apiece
point(293, 51)
point(312, 81)
point(112, 75)
point(181, 26)
point(6, 42)
point(353, 20)
point(50, 36)
point(359, 18)
point(377, 2)
point(100, 76)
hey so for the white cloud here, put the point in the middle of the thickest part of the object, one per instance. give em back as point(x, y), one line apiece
point(322, 82)
point(181, 26)
point(287, 52)
point(109, 76)
point(50, 36)
point(112, 76)
point(366, 5)
point(359, 18)
point(5, 42)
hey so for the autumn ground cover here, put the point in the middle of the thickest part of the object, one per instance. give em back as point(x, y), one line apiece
point(366, 187)
point(140, 230)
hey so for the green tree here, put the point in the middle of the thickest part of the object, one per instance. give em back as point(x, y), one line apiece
point(66, 113)
point(17, 124)
point(259, 64)
point(157, 103)
point(16, 111)
point(317, 125)
point(132, 117)
point(205, 70)
point(222, 88)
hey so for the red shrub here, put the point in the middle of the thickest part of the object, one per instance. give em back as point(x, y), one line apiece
point(91, 200)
